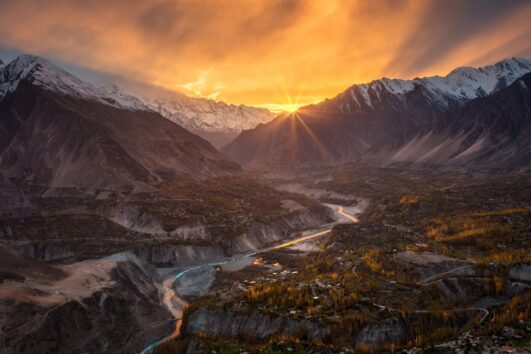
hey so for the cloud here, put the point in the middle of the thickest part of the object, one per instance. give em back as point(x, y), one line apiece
point(519, 46)
point(199, 86)
point(214, 29)
point(444, 26)
point(265, 52)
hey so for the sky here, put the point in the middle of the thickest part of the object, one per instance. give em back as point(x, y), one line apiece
point(277, 54)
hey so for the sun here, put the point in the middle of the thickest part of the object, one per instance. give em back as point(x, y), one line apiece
point(291, 107)
point(282, 107)
point(291, 103)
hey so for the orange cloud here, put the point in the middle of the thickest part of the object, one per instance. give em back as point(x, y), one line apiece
point(273, 53)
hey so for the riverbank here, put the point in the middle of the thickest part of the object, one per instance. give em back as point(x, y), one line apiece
point(171, 292)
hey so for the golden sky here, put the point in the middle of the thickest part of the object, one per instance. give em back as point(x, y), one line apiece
point(269, 53)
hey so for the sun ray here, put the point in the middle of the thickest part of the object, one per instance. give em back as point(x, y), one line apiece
point(314, 138)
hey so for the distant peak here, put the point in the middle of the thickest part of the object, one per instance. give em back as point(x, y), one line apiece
point(1, 61)
point(504, 64)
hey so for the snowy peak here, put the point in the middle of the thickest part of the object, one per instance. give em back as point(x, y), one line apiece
point(24, 66)
point(210, 116)
point(462, 84)
point(467, 82)
point(43, 73)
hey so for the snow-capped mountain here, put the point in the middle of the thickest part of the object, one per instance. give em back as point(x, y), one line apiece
point(58, 130)
point(492, 131)
point(210, 116)
point(461, 85)
point(375, 120)
point(217, 122)
point(53, 78)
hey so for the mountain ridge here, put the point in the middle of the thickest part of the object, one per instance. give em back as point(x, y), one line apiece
point(491, 131)
point(54, 134)
point(369, 119)
point(50, 76)
point(484, 80)
point(201, 116)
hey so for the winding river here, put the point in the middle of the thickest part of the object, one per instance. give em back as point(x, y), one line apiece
point(176, 304)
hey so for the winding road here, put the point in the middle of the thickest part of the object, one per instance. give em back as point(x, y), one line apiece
point(176, 305)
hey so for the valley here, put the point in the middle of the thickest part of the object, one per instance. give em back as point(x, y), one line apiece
point(394, 217)
point(385, 283)
point(235, 263)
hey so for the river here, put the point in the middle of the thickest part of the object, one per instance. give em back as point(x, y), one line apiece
point(196, 279)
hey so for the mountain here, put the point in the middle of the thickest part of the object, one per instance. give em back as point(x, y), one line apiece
point(58, 130)
point(492, 131)
point(217, 122)
point(370, 120)
point(46, 75)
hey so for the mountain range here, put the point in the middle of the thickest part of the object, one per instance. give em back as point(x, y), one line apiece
point(217, 122)
point(471, 117)
point(58, 130)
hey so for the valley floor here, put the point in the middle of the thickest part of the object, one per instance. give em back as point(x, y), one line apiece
point(343, 259)
point(197, 279)
point(438, 262)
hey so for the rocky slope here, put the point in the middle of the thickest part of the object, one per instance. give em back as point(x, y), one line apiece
point(491, 131)
point(60, 131)
point(376, 118)
point(102, 306)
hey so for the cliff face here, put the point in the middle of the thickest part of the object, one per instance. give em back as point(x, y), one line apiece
point(392, 330)
point(255, 327)
point(101, 306)
point(216, 322)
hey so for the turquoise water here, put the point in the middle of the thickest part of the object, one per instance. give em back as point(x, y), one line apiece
point(231, 264)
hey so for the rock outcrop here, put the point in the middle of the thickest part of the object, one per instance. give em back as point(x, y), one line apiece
point(392, 330)
point(102, 306)
point(217, 322)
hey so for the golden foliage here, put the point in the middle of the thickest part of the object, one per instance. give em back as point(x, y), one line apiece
point(370, 258)
point(409, 199)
